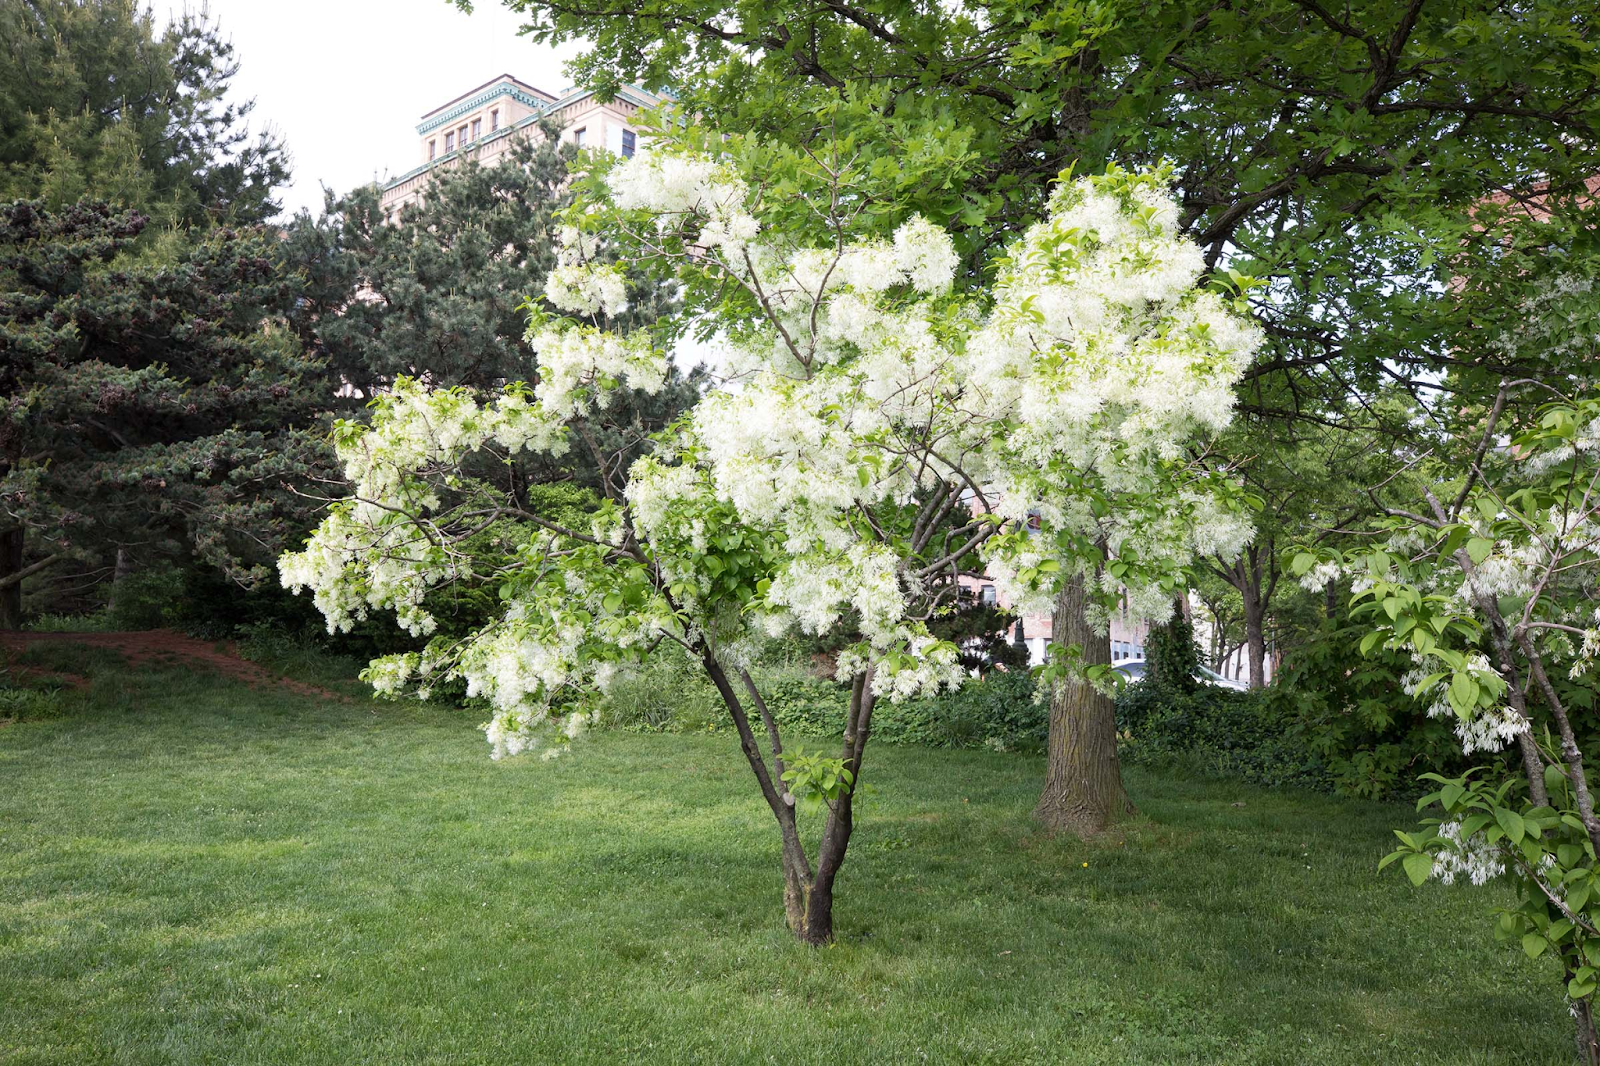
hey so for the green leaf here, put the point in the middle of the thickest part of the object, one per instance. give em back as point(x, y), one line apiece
point(1532, 850)
point(1534, 944)
point(1511, 822)
point(1418, 866)
point(1479, 549)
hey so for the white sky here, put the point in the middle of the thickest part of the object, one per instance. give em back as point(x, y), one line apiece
point(344, 81)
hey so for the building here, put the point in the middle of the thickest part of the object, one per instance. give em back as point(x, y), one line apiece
point(483, 123)
point(1038, 630)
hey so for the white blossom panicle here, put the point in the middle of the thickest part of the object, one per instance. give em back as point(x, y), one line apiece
point(581, 369)
point(587, 288)
point(1321, 575)
point(924, 253)
point(1473, 858)
point(1481, 730)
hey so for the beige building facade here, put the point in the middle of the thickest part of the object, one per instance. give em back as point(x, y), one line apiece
point(483, 124)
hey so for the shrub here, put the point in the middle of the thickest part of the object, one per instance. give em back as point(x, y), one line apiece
point(147, 599)
point(69, 623)
point(1351, 713)
point(996, 711)
point(665, 695)
point(1215, 731)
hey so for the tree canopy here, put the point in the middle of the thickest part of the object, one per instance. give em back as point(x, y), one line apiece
point(150, 406)
point(93, 101)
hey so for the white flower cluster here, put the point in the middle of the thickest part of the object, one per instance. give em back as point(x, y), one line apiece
point(374, 551)
point(1473, 858)
point(935, 666)
point(674, 184)
point(1318, 577)
point(1484, 730)
point(1589, 650)
point(580, 368)
point(587, 288)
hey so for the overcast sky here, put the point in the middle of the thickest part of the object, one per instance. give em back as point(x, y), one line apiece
point(345, 81)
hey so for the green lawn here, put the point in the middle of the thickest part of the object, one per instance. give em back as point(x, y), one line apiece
point(194, 871)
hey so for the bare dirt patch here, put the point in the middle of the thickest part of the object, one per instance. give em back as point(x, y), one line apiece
point(164, 647)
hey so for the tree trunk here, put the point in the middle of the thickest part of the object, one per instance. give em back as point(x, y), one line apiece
point(10, 564)
point(1083, 791)
point(807, 896)
point(119, 574)
point(1255, 639)
point(1588, 1040)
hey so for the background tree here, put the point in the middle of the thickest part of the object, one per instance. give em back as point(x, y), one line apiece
point(1301, 471)
point(94, 102)
point(140, 297)
point(150, 408)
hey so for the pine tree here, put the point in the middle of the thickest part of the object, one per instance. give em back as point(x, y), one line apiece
point(440, 293)
point(94, 101)
point(151, 407)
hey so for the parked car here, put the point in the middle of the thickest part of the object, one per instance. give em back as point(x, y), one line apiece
point(1135, 670)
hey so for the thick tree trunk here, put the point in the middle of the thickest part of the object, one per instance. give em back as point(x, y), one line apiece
point(1255, 639)
point(1083, 791)
point(10, 591)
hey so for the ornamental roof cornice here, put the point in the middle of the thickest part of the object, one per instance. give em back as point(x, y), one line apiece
point(504, 87)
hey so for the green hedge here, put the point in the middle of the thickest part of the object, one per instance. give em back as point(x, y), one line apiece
point(996, 711)
point(1219, 732)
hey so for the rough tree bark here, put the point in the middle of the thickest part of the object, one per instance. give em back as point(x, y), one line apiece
point(1083, 791)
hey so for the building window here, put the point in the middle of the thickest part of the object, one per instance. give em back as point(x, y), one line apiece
point(461, 135)
point(494, 120)
point(988, 595)
point(579, 136)
point(449, 142)
point(627, 143)
point(477, 128)
point(431, 153)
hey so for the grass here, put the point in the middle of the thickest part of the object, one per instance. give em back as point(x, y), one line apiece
point(192, 871)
